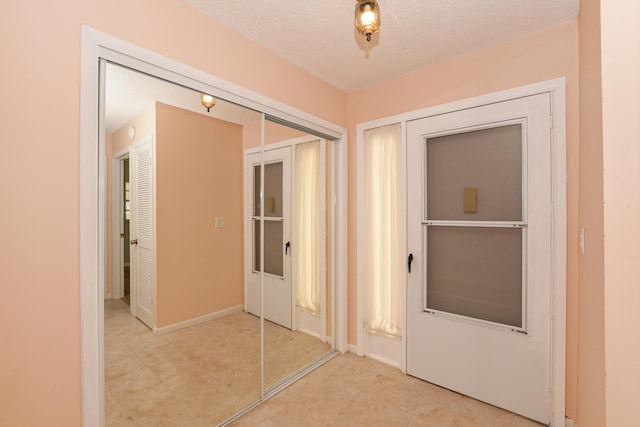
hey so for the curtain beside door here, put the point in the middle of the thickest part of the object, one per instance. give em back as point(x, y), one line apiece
point(308, 218)
point(383, 251)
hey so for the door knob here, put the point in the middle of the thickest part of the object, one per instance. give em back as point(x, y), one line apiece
point(134, 241)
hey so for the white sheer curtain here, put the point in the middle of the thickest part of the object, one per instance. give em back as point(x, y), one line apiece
point(307, 220)
point(382, 251)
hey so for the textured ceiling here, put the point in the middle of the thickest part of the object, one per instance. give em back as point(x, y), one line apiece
point(319, 36)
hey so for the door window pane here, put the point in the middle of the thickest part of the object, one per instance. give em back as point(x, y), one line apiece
point(273, 247)
point(476, 272)
point(487, 163)
point(273, 190)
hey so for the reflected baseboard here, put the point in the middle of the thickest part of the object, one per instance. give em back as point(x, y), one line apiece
point(327, 339)
point(197, 320)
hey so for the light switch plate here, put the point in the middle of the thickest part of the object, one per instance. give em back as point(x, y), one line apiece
point(219, 222)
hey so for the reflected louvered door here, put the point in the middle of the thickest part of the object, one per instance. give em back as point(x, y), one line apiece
point(142, 232)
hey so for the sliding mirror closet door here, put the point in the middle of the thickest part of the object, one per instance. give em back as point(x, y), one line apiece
point(297, 279)
point(179, 346)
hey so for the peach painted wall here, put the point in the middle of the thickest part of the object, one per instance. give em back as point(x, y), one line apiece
point(118, 142)
point(39, 258)
point(252, 134)
point(273, 132)
point(198, 178)
point(541, 56)
point(145, 126)
point(620, 32)
point(591, 374)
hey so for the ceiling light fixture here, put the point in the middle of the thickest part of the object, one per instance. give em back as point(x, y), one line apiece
point(207, 101)
point(367, 18)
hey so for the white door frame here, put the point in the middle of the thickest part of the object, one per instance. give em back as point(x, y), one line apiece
point(92, 207)
point(556, 88)
point(117, 210)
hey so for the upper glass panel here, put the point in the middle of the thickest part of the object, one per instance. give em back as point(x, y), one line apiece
point(273, 190)
point(475, 176)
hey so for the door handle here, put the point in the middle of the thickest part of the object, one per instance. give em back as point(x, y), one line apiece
point(134, 241)
point(409, 261)
point(286, 248)
point(121, 235)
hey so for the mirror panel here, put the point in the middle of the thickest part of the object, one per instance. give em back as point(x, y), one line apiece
point(196, 357)
point(298, 203)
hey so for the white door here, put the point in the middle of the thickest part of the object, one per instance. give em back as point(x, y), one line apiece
point(277, 245)
point(142, 292)
point(479, 235)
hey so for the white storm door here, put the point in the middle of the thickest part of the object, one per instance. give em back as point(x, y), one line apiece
point(479, 234)
point(141, 234)
point(278, 304)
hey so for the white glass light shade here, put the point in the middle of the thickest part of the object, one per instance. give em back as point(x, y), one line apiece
point(367, 18)
point(207, 101)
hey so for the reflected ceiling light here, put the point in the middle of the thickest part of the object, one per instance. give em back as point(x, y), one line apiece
point(207, 101)
point(367, 18)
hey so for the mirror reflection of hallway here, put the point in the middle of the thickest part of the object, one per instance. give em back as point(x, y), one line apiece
point(198, 361)
point(298, 216)
point(183, 368)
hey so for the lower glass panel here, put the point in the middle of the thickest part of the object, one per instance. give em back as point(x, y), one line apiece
point(273, 245)
point(476, 272)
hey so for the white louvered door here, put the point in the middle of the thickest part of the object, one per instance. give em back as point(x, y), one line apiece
point(142, 232)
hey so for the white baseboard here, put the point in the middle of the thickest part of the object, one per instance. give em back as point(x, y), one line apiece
point(310, 333)
point(383, 349)
point(108, 296)
point(568, 422)
point(197, 320)
point(352, 348)
point(382, 359)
